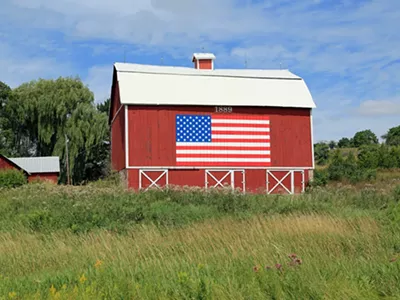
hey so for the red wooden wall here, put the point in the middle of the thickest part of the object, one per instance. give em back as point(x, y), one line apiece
point(5, 164)
point(204, 64)
point(117, 117)
point(152, 134)
point(51, 177)
point(255, 181)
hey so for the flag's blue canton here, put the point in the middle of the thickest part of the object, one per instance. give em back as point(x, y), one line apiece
point(192, 128)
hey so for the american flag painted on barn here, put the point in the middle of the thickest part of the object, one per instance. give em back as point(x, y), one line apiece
point(223, 140)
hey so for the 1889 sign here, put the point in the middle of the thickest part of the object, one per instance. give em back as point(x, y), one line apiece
point(223, 109)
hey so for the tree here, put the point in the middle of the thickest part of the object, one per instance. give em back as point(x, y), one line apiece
point(369, 156)
point(345, 143)
point(104, 107)
point(321, 153)
point(365, 137)
point(392, 137)
point(5, 134)
point(332, 145)
point(41, 113)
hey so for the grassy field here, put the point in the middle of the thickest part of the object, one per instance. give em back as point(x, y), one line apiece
point(100, 242)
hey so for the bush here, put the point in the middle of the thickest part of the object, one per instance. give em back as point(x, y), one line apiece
point(349, 169)
point(11, 178)
point(320, 178)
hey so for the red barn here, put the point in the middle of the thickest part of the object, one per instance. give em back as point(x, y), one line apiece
point(205, 127)
point(42, 168)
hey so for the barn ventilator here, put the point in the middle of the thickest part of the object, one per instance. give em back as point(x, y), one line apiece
point(280, 182)
point(211, 174)
point(153, 182)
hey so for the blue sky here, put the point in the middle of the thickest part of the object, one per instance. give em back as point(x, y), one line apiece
point(347, 51)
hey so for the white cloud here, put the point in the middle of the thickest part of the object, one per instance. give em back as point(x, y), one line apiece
point(16, 68)
point(99, 81)
point(379, 107)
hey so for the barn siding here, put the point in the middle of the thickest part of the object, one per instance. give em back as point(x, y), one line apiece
point(205, 64)
point(255, 180)
point(152, 134)
point(51, 177)
point(117, 132)
point(5, 164)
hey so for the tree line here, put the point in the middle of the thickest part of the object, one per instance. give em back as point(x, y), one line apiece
point(364, 144)
point(357, 158)
point(40, 117)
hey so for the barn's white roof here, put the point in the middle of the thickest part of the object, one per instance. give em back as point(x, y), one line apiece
point(162, 85)
point(46, 164)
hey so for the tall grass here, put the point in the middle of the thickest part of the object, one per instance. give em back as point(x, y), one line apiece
point(105, 243)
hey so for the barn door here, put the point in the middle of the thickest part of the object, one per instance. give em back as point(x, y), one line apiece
point(153, 179)
point(285, 181)
point(225, 178)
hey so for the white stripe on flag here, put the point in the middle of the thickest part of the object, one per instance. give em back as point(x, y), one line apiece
point(227, 144)
point(256, 129)
point(222, 159)
point(234, 121)
point(259, 152)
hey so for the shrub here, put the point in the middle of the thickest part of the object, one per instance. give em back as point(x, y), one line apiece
point(11, 178)
point(396, 193)
point(349, 169)
point(320, 178)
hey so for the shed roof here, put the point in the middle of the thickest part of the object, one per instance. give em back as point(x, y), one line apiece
point(203, 56)
point(162, 85)
point(45, 164)
point(13, 164)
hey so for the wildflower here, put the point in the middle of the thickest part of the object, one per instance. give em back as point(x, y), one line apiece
point(256, 269)
point(278, 266)
point(267, 268)
point(53, 290)
point(64, 286)
point(293, 256)
point(82, 279)
point(12, 295)
point(393, 259)
point(98, 263)
point(299, 261)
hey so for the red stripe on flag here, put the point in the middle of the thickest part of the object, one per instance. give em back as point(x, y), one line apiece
point(242, 117)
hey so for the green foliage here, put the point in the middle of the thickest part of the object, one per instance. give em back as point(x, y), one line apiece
point(368, 156)
point(321, 178)
point(382, 156)
point(100, 242)
point(321, 153)
point(104, 107)
point(392, 138)
point(5, 134)
point(345, 143)
point(10, 178)
point(40, 114)
point(348, 169)
point(365, 137)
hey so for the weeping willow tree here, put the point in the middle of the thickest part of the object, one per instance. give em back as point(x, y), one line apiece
point(43, 113)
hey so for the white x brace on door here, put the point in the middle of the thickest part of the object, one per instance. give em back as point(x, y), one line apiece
point(219, 178)
point(272, 175)
point(150, 175)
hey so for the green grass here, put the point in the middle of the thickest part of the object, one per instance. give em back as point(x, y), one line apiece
point(100, 242)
